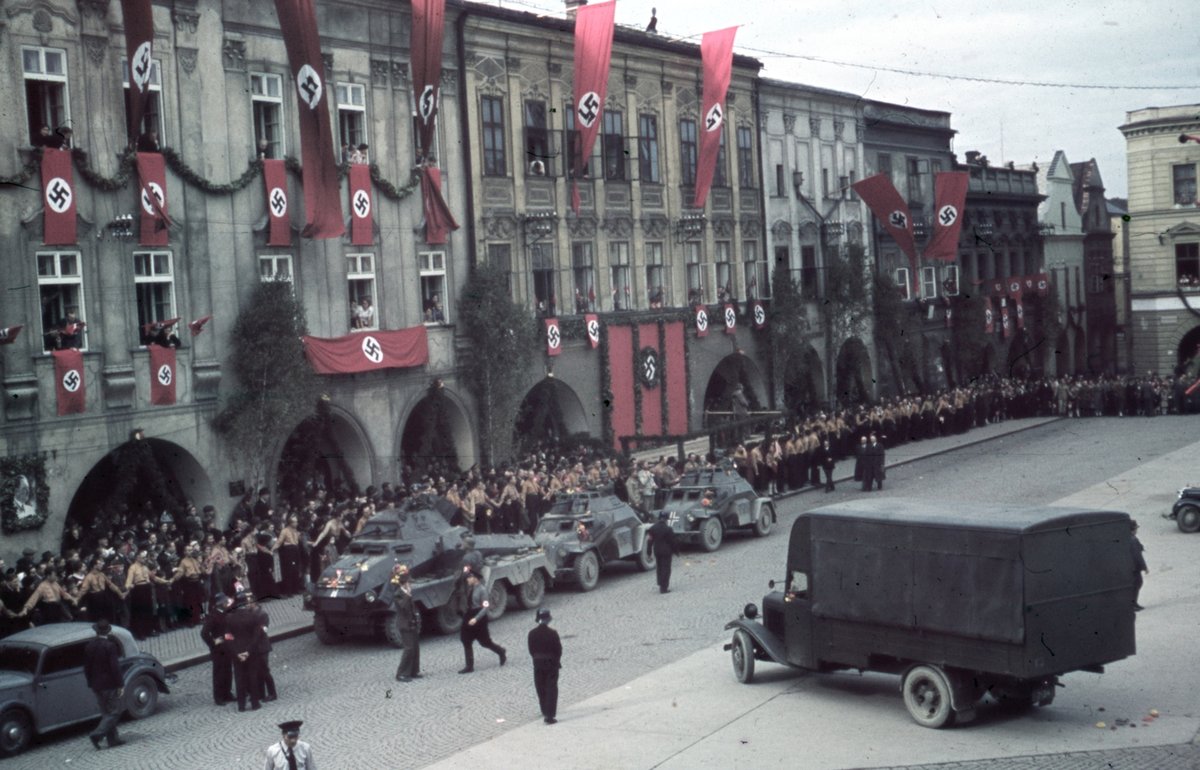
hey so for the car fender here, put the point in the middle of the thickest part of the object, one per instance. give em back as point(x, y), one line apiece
point(160, 678)
point(639, 537)
point(765, 641)
point(757, 506)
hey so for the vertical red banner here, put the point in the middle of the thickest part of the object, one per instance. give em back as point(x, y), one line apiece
point(620, 368)
point(591, 323)
point(1005, 324)
point(989, 318)
point(949, 199)
point(652, 416)
point(553, 337)
point(759, 314)
point(280, 228)
point(428, 24)
point(438, 219)
point(162, 375)
point(1020, 311)
point(593, 54)
point(138, 19)
point(360, 205)
point(675, 359)
point(701, 321)
point(730, 319)
point(68, 382)
point(322, 207)
point(152, 173)
point(890, 209)
point(58, 198)
point(716, 54)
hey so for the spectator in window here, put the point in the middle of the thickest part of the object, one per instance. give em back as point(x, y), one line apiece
point(347, 153)
point(364, 315)
point(694, 297)
point(360, 154)
point(156, 333)
point(58, 140)
point(264, 150)
point(67, 333)
point(148, 141)
point(434, 312)
point(656, 297)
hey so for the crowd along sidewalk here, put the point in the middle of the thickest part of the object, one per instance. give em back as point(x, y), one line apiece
point(183, 647)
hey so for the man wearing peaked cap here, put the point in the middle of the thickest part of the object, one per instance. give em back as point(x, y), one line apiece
point(290, 753)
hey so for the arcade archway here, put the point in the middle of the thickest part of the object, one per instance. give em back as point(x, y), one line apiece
point(804, 384)
point(1188, 353)
point(325, 450)
point(139, 479)
point(853, 373)
point(734, 371)
point(550, 414)
point(436, 437)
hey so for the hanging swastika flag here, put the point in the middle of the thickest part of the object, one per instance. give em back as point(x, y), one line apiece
point(358, 352)
point(553, 337)
point(58, 198)
point(701, 321)
point(593, 53)
point(360, 205)
point(716, 55)
point(949, 199)
point(279, 231)
point(162, 375)
point(592, 322)
point(138, 20)
point(68, 382)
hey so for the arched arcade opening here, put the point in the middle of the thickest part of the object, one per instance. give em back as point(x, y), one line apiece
point(436, 439)
point(734, 371)
point(326, 450)
point(551, 414)
point(853, 373)
point(804, 384)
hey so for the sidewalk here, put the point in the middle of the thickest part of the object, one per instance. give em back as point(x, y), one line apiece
point(184, 647)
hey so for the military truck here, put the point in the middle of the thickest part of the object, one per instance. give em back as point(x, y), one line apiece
point(706, 504)
point(354, 596)
point(958, 600)
point(588, 530)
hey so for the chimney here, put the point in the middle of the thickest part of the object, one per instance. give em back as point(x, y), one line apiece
point(573, 5)
point(973, 157)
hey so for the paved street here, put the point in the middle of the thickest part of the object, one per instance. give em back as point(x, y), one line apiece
point(645, 682)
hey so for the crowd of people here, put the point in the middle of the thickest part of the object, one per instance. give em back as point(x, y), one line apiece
point(155, 569)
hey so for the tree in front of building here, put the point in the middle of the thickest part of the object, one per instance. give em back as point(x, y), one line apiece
point(847, 309)
point(898, 336)
point(504, 341)
point(785, 336)
point(275, 387)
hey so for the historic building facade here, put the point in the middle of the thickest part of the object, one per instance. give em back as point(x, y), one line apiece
point(1163, 235)
point(1099, 276)
point(1061, 228)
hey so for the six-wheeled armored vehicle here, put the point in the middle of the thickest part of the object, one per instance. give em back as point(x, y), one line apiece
point(708, 503)
point(959, 600)
point(589, 530)
point(354, 595)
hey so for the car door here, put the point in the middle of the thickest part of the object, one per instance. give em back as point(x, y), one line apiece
point(61, 690)
point(797, 619)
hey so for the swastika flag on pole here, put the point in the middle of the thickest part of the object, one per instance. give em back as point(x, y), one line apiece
point(553, 337)
point(152, 173)
point(890, 209)
point(428, 24)
point(138, 19)
point(593, 53)
point(716, 55)
point(279, 232)
point(949, 200)
point(360, 205)
point(58, 198)
point(8, 335)
point(162, 375)
point(68, 382)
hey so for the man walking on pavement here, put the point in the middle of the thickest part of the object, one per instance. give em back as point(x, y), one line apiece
point(877, 455)
point(546, 650)
point(290, 753)
point(827, 460)
point(102, 669)
point(475, 624)
point(408, 623)
point(662, 540)
point(213, 634)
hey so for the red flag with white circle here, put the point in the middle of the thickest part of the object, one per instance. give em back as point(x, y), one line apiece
point(730, 319)
point(8, 335)
point(360, 205)
point(701, 321)
point(592, 322)
point(716, 55)
point(58, 198)
point(989, 318)
point(760, 314)
point(593, 54)
point(152, 173)
point(69, 387)
point(162, 375)
point(279, 231)
point(553, 337)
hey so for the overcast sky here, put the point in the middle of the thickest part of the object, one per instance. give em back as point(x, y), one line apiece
point(1151, 43)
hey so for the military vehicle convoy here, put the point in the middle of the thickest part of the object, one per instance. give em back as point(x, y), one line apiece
point(354, 596)
point(706, 504)
point(959, 601)
point(589, 530)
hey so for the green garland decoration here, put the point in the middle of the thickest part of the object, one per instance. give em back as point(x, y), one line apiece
point(33, 468)
point(189, 175)
point(126, 163)
point(390, 190)
point(27, 172)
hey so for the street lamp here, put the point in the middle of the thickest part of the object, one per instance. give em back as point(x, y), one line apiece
point(797, 181)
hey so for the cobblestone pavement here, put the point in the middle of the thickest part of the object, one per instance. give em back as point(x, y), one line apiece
point(1184, 756)
point(356, 716)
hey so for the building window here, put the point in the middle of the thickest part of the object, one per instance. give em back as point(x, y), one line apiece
point(275, 267)
point(494, 161)
point(780, 185)
point(808, 272)
point(60, 288)
point(45, 90)
point(154, 284)
point(585, 277)
point(352, 116)
point(1187, 263)
point(950, 281)
point(266, 99)
point(656, 284)
point(903, 283)
point(695, 272)
point(433, 286)
point(541, 260)
point(648, 149)
point(618, 260)
point(928, 282)
point(574, 146)
point(915, 193)
point(360, 286)
point(883, 163)
point(687, 151)
point(612, 145)
point(152, 115)
point(745, 154)
point(722, 255)
point(721, 172)
point(1184, 177)
point(538, 155)
point(758, 276)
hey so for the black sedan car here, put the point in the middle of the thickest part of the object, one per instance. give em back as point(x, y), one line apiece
point(42, 686)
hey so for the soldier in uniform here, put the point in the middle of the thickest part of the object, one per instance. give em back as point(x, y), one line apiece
point(290, 753)
point(213, 634)
point(662, 540)
point(409, 622)
point(139, 583)
point(475, 624)
point(288, 546)
point(99, 593)
point(546, 650)
point(241, 629)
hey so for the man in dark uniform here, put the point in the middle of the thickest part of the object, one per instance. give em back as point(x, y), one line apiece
point(546, 650)
point(408, 622)
point(475, 624)
point(102, 668)
point(241, 629)
point(213, 634)
point(864, 465)
point(662, 540)
point(877, 455)
point(827, 460)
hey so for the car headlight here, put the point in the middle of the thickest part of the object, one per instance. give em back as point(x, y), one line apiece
point(691, 518)
point(370, 596)
point(1179, 492)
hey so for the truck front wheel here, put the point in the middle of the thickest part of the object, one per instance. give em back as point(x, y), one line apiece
point(1188, 519)
point(587, 570)
point(711, 534)
point(742, 652)
point(927, 696)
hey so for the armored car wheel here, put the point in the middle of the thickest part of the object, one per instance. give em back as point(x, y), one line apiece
point(446, 620)
point(141, 696)
point(764, 521)
point(711, 534)
point(587, 570)
point(497, 600)
point(646, 560)
point(15, 732)
point(326, 633)
point(1188, 519)
point(532, 591)
point(927, 696)
point(742, 653)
